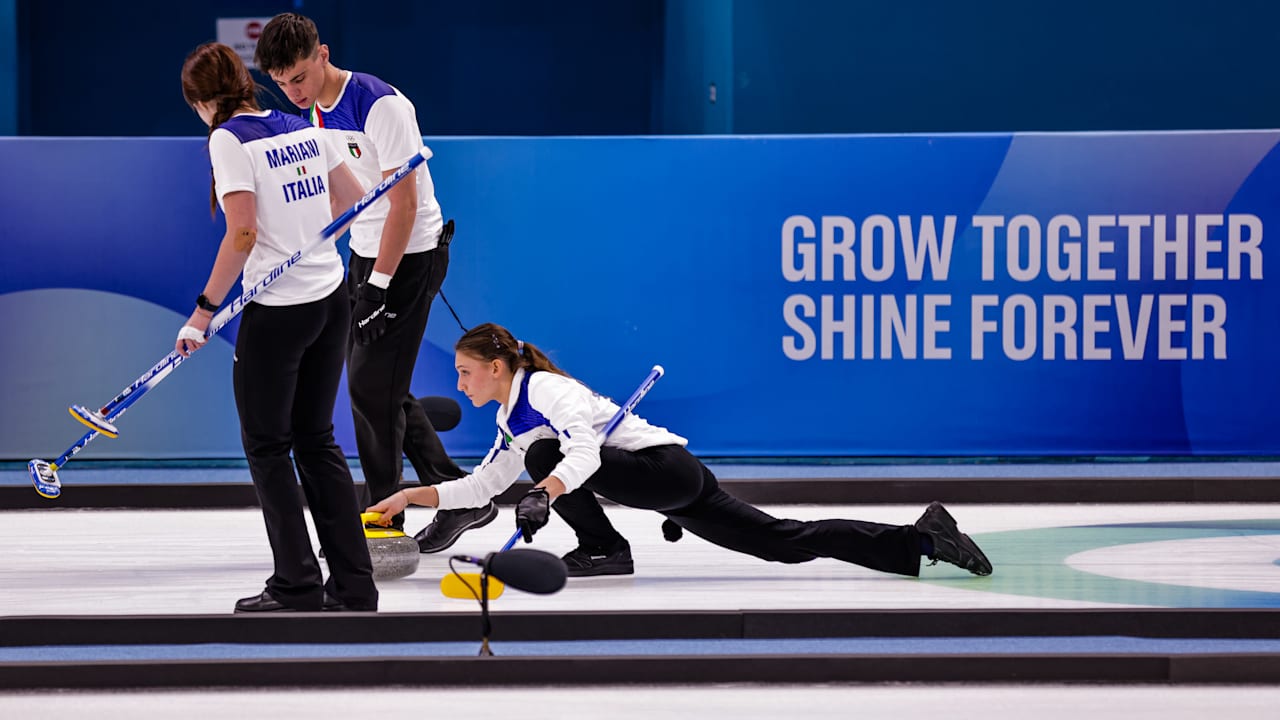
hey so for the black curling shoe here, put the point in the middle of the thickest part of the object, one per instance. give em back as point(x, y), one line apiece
point(585, 563)
point(949, 544)
point(261, 603)
point(448, 526)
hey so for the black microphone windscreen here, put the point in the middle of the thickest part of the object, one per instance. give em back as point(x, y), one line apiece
point(442, 412)
point(532, 571)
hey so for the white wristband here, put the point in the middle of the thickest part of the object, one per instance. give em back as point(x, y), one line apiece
point(189, 333)
point(378, 279)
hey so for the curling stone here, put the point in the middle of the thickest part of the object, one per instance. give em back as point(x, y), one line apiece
point(394, 554)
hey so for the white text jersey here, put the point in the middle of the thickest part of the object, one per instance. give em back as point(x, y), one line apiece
point(377, 129)
point(285, 163)
point(546, 405)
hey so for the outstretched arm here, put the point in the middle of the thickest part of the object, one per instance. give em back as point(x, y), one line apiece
point(500, 468)
point(397, 502)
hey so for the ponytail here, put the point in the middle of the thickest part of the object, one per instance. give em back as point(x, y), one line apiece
point(490, 341)
point(214, 73)
point(226, 107)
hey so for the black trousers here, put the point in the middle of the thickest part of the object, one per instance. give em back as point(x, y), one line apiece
point(422, 440)
point(389, 422)
point(286, 375)
point(670, 480)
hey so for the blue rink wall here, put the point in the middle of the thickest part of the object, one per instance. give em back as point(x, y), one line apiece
point(934, 295)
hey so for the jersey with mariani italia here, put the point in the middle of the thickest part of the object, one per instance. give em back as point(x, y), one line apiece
point(545, 405)
point(285, 163)
point(376, 129)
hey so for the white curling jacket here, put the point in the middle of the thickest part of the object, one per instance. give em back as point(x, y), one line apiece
point(544, 405)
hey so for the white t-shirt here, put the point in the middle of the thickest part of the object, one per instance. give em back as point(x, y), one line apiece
point(285, 163)
point(376, 129)
point(545, 405)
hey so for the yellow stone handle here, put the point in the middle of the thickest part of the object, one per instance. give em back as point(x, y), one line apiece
point(377, 532)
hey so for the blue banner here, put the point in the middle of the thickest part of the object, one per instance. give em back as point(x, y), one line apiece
point(948, 295)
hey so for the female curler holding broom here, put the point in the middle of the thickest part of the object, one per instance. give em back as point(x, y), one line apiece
point(279, 186)
point(549, 423)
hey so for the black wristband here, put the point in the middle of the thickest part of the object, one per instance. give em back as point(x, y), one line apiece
point(203, 303)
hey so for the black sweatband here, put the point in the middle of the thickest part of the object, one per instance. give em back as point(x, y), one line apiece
point(203, 303)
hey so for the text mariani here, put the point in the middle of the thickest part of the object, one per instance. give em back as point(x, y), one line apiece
point(1124, 319)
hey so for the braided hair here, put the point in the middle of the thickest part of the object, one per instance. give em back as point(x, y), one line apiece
point(214, 73)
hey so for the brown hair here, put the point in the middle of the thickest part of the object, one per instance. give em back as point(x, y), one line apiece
point(494, 342)
point(286, 39)
point(213, 73)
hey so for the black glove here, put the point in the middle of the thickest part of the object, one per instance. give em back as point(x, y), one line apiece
point(532, 512)
point(369, 316)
